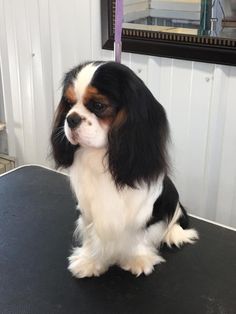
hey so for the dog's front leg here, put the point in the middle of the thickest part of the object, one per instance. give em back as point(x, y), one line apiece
point(142, 263)
point(87, 260)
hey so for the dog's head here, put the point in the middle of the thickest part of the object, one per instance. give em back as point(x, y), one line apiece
point(105, 105)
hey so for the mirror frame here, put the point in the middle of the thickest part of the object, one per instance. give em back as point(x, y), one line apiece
point(179, 46)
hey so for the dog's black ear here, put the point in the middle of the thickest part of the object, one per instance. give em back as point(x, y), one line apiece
point(62, 150)
point(138, 138)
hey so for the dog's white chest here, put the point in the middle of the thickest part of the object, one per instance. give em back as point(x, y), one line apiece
point(108, 209)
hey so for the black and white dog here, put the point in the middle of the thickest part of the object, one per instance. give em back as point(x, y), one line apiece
point(112, 133)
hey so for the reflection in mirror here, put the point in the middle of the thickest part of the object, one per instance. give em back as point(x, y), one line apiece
point(216, 18)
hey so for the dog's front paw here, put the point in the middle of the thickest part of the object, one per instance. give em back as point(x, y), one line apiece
point(82, 265)
point(142, 264)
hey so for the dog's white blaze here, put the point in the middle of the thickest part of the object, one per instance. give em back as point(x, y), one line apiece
point(83, 79)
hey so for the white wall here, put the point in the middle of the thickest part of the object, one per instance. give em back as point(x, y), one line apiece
point(42, 39)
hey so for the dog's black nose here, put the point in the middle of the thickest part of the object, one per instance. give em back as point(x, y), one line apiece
point(73, 120)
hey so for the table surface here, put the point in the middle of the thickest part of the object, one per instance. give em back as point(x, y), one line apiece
point(37, 215)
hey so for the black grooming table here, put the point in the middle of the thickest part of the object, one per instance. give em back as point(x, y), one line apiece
point(37, 215)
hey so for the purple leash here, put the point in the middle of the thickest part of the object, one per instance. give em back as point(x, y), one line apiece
point(118, 30)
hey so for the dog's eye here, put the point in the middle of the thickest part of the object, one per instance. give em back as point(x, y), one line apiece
point(98, 106)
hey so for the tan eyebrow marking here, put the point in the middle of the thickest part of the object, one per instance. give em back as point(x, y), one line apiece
point(93, 93)
point(70, 94)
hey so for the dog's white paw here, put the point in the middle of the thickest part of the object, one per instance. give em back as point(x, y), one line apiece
point(142, 264)
point(82, 265)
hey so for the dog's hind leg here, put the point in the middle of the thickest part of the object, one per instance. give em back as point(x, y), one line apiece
point(176, 234)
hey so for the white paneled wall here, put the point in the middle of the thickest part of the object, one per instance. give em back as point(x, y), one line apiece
point(41, 39)
point(26, 69)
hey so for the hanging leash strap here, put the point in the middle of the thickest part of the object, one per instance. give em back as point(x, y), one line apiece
point(118, 30)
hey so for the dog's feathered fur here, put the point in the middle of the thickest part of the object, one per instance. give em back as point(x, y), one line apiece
point(113, 134)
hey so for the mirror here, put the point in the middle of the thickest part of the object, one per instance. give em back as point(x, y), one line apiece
point(200, 30)
point(194, 17)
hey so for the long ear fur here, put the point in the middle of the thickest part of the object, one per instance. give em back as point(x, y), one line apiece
point(138, 137)
point(62, 150)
